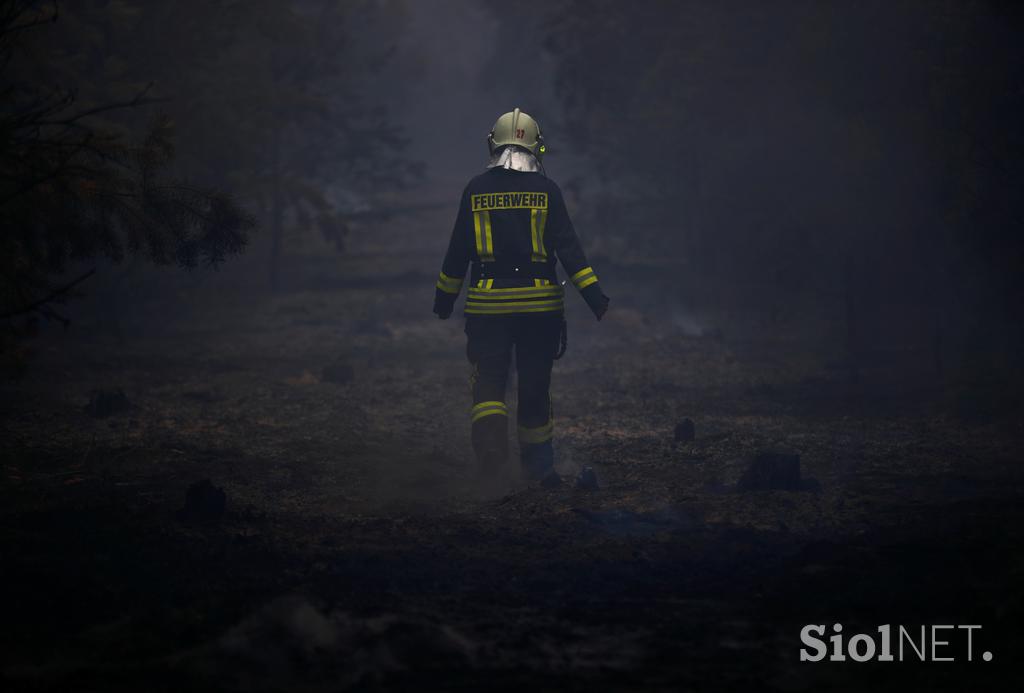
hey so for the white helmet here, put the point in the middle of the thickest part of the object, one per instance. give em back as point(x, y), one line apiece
point(519, 129)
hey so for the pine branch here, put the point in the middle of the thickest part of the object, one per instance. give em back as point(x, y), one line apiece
point(56, 293)
point(138, 100)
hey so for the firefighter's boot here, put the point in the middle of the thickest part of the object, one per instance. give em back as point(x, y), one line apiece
point(538, 459)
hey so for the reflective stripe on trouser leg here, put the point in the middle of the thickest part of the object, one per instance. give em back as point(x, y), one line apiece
point(538, 434)
point(489, 348)
point(488, 409)
point(490, 433)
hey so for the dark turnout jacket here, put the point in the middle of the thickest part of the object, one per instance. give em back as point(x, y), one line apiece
point(513, 226)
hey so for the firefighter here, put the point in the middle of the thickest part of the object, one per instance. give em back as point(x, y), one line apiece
point(512, 226)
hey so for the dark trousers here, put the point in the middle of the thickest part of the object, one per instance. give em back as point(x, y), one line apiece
point(489, 346)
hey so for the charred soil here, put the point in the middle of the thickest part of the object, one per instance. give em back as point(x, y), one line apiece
point(355, 547)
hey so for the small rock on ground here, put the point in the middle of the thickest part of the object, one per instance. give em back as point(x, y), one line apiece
point(104, 403)
point(339, 373)
point(587, 479)
point(772, 470)
point(204, 504)
point(685, 431)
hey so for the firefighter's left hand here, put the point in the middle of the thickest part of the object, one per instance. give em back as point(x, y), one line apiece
point(602, 308)
point(444, 304)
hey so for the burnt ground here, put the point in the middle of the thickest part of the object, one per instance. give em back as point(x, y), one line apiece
point(360, 551)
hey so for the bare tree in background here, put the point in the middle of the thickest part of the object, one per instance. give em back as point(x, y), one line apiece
point(76, 186)
point(269, 98)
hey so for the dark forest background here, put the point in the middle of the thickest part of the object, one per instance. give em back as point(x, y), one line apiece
point(864, 158)
point(851, 165)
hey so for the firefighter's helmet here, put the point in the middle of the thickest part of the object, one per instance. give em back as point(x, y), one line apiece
point(518, 128)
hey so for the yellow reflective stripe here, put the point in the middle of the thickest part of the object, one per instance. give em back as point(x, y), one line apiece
point(513, 309)
point(533, 232)
point(538, 220)
point(487, 235)
point(450, 285)
point(525, 302)
point(585, 277)
point(488, 412)
point(488, 409)
point(489, 403)
point(519, 289)
point(482, 231)
point(585, 270)
point(541, 434)
point(484, 294)
point(514, 300)
point(542, 224)
point(478, 233)
point(503, 309)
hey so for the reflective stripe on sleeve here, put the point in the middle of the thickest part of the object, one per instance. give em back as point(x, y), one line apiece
point(584, 278)
point(449, 285)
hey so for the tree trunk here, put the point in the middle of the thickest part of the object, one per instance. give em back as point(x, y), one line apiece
point(853, 319)
point(276, 214)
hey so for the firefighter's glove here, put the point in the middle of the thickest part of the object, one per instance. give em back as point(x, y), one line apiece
point(443, 305)
point(596, 299)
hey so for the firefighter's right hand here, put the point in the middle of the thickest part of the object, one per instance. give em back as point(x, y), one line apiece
point(443, 305)
point(595, 299)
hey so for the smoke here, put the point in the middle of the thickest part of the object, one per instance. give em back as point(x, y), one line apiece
point(465, 66)
point(292, 644)
point(686, 323)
